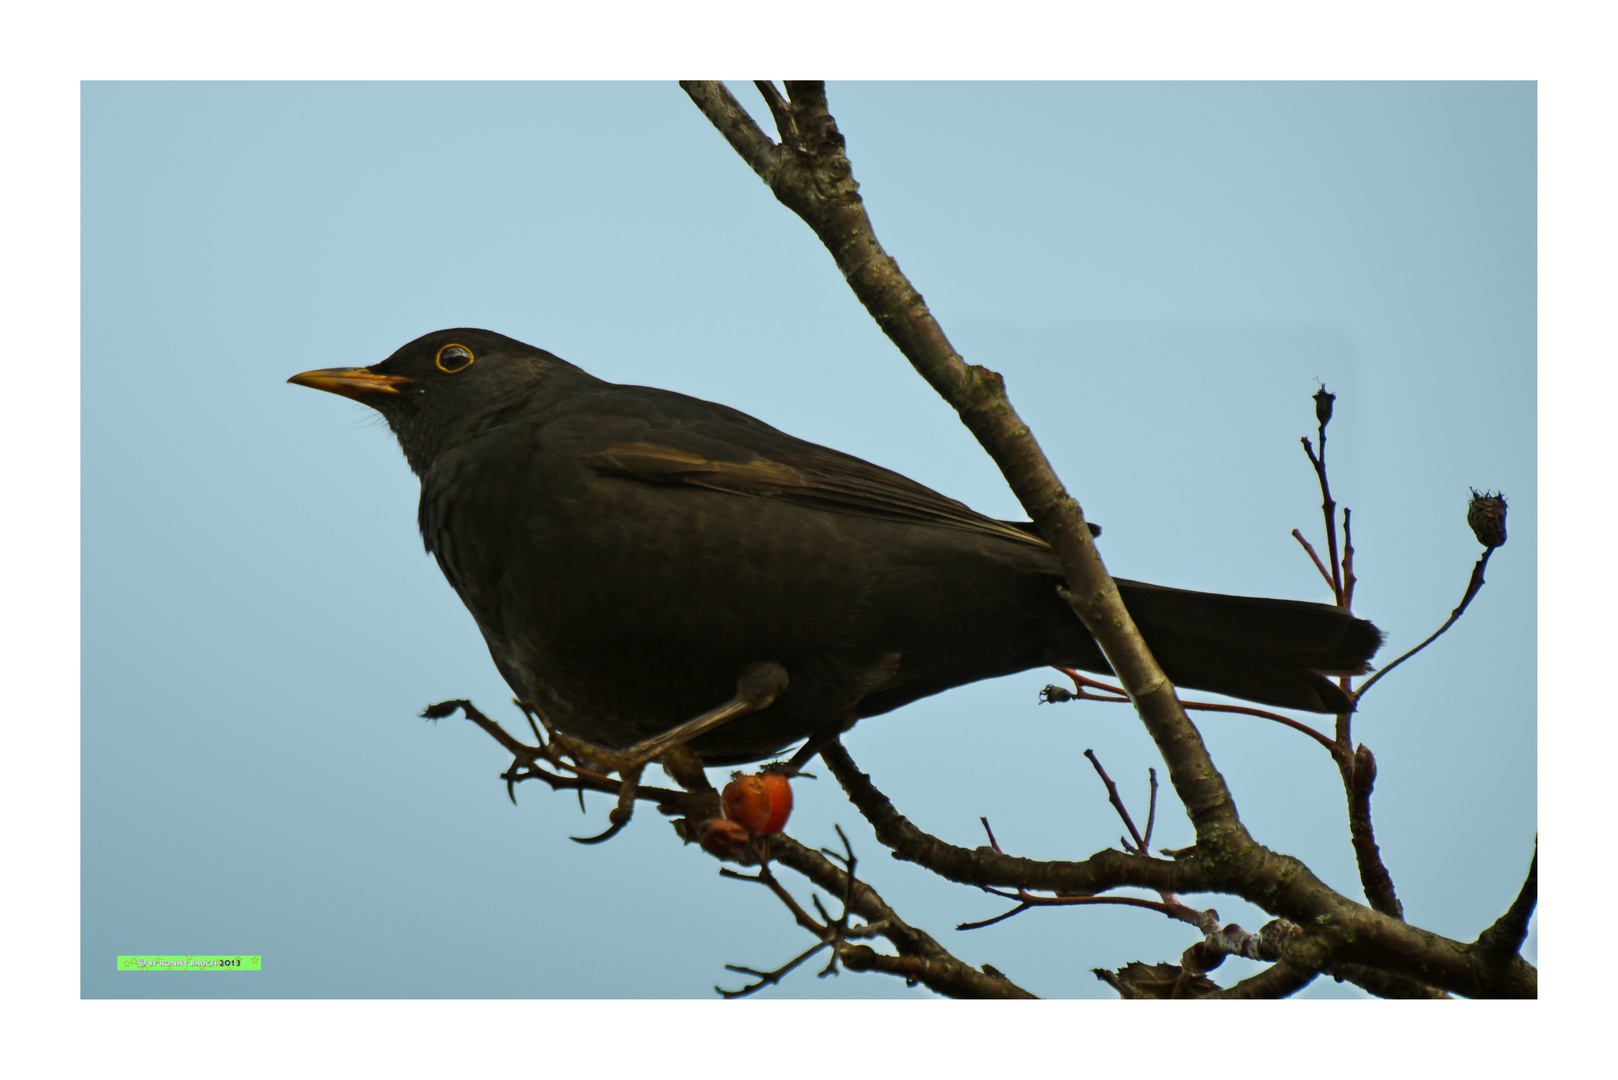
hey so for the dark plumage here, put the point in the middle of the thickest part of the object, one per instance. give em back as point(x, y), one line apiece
point(628, 551)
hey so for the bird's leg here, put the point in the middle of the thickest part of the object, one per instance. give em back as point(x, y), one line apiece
point(759, 685)
point(821, 739)
point(685, 768)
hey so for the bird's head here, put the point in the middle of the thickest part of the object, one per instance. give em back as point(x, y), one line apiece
point(449, 386)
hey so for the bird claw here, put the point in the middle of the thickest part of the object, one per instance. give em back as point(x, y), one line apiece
point(621, 813)
point(613, 830)
point(759, 685)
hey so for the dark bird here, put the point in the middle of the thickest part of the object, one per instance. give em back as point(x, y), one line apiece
point(637, 558)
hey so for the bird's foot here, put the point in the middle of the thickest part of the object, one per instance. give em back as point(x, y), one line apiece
point(759, 685)
point(621, 813)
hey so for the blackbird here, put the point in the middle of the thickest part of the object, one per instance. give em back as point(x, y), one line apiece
point(637, 558)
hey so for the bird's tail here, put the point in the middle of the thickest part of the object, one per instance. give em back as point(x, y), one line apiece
point(1276, 652)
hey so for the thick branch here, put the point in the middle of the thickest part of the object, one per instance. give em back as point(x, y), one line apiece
point(950, 977)
point(1276, 981)
point(814, 179)
point(726, 113)
point(1348, 933)
point(1383, 985)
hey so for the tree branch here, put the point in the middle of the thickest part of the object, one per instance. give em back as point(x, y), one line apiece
point(1374, 876)
point(1279, 980)
point(1504, 939)
point(924, 959)
point(816, 181)
point(811, 175)
point(1348, 933)
point(1472, 586)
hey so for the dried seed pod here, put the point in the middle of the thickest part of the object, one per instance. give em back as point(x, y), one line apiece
point(1323, 402)
point(1486, 513)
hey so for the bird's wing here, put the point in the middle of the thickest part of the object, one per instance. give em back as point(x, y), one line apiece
point(793, 471)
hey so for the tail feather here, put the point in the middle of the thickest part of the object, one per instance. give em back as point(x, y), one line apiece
point(1276, 652)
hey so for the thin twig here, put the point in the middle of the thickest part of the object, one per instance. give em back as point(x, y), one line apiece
point(766, 978)
point(1082, 682)
point(995, 844)
point(1328, 508)
point(1151, 812)
point(1348, 561)
point(1472, 587)
point(1025, 901)
point(1310, 548)
point(780, 111)
point(918, 951)
point(770, 881)
point(1117, 804)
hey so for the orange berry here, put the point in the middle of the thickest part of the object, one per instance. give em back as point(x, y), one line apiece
point(780, 792)
point(746, 801)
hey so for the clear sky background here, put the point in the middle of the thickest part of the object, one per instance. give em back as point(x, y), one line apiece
point(1162, 272)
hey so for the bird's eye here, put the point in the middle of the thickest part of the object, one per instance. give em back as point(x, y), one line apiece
point(453, 358)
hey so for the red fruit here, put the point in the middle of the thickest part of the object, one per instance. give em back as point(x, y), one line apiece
point(780, 793)
point(746, 801)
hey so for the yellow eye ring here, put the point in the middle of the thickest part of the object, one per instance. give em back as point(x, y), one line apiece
point(453, 358)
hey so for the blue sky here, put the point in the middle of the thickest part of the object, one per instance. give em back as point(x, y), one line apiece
point(1160, 271)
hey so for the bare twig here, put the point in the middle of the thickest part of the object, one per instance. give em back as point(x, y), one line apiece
point(1151, 812)
point(1082, 684)
point(1026, 901)
point(766, 878)
point(1310, 548)
point(1472, 587)
point(1118, 804)
point(920, 957)
point(833, 932)
point(1328, 508)
point(766, 978)
point(1348, 561)
point(1169, 905)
